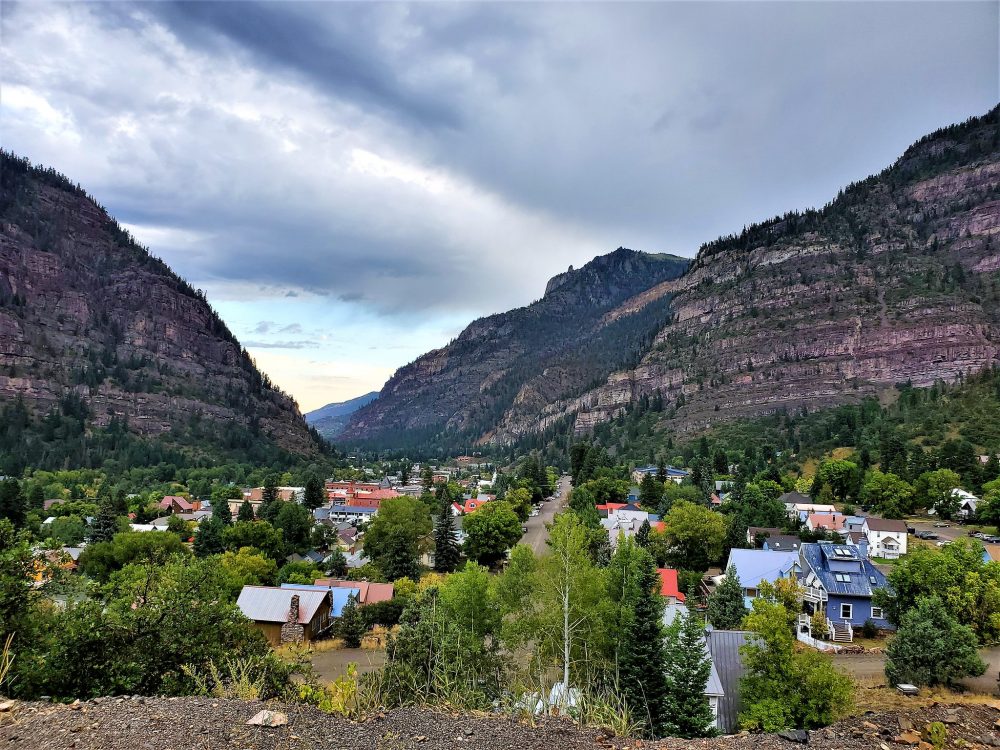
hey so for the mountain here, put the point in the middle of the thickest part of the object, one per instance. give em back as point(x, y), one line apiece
point(895, 280)
point(520, 361)
point(99, 339)
point(331, 419)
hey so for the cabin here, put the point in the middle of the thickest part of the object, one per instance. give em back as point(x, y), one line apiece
point(286, 615)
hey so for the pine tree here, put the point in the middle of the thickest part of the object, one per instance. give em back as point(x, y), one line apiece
point(208, 538)
point(336, 563)
point(246, 512)
point(352, 624)
point(688, 668)
point(447, 554)
point(105, 524)
point(221, 512)
point(427, 478)
point(726, 606)
point(642, 665)
point(269, 493)
point(13, 506)
point(642, 535)
point(314, 494)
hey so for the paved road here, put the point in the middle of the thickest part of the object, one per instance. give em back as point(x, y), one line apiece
point(537, 533)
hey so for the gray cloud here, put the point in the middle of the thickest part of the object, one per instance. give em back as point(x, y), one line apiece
point(281, 344)
point(431, 158)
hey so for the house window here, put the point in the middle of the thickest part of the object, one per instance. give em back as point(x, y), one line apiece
point(842, 577)
point(877, 613)
point(846, 611)
point(751, 593)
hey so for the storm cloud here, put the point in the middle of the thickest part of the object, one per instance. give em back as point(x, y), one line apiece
point(402, 168)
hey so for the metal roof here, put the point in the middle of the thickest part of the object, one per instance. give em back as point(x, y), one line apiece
point(339, 596)
point(756, 565)
point(271, 604)
point(860, 581)
point(727, 662)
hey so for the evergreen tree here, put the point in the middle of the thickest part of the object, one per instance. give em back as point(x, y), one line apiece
point(447, 554)
point(642, 535)
point(208, 538)
point(736, 534)
point(246, 512)
point(336, 563)
point(221, 512)
point(352, 625)
point(270, 490)
point(642, 666)
point(661, 472)
point(688, 668)
point(105, 524)
point(650, 492)
point(931, 648)
point(12, 502)
point(426, 478)
point(404, 473)
point(314, 496)
point(726, 606)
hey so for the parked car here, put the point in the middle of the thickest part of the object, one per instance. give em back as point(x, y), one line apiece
point(910, 530)
point(940, 525)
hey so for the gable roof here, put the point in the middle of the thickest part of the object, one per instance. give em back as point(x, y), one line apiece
point(668, 584)
point(171, 500)
point(861, 581)
point(885, 524)
point(338, 595)
point(271, 604)
point(756, 565)
point(727, 662)
point(794, 498)
point(783, 542)
point(369, 593)
point(831, 521)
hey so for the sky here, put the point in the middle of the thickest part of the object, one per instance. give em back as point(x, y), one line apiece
point(353, 183)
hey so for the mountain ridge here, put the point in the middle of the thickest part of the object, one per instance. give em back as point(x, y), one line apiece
point(331, 419)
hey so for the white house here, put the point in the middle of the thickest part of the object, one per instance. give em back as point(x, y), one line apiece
point(967, 502)
point(886, 537)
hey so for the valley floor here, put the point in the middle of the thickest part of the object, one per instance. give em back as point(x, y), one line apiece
point(209, 724)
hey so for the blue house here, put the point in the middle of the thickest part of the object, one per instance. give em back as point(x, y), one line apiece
point(754, 566)
point(839, 579)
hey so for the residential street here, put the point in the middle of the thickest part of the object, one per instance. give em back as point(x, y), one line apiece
point(537, 533)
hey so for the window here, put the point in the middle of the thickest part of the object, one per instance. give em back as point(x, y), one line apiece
point(877, 613)
point(842, 577)
point(873, 579)
point(846, 611)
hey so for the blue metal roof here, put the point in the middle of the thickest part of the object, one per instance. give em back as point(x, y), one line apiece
point(339, 595)
point(858, 576)
point(756, 565)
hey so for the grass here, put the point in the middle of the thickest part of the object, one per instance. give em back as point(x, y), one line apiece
point(874, 695)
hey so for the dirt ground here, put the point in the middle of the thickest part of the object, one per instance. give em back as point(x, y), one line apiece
point(330, 665)
point(871, 667)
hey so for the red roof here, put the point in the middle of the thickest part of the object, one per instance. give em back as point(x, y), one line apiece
point(668, 584)
point(170, 501)
point(610, 506)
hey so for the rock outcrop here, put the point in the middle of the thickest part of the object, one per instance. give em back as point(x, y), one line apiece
point(85, 312)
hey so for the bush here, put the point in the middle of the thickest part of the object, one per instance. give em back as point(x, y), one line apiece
point(868, 630)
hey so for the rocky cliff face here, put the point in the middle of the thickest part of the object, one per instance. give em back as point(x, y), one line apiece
point(896, 280)
point(86, 311)
point(519, 361)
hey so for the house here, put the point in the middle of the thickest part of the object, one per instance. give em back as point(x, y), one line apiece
point(673, 475)
point(176, 504)
point(669, 588)
point(634, 493)
point(339, 596)
point(351, 513)
point(368, 593)
point(470, 504)
point(727, 665)
point(825, 521)
point(854, 523)
point(886, 537)
point(626, 519)
point(967, 502)
point(839, 580)
point(782, 543)
point(286, 615)
point(255, 496)
point(754, 566)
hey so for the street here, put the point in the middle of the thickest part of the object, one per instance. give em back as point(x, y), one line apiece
point(537, 533)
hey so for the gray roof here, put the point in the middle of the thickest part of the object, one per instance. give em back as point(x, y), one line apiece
point(271, 604)
point(862, 577)
point(783, 542)
point(727, 662)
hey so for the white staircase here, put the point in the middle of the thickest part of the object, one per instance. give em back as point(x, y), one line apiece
point(842, 632)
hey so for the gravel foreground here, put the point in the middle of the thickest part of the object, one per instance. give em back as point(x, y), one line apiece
point(210, 724)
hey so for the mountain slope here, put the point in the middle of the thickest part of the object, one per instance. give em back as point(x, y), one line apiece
point(897, 279)
point(520, 360)
point(94, 327)
point(331, 419)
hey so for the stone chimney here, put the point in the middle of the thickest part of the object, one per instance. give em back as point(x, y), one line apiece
point(292, 631)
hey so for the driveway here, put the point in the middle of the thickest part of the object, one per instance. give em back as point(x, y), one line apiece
point(537, 533)
point(872, 667)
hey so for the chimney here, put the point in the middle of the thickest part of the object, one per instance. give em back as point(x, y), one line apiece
point(293, 609)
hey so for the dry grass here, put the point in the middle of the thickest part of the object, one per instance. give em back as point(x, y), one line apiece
point(874, 695)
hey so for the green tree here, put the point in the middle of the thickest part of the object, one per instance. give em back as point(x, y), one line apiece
point(260, 535)
point(887, 494)
point(650, 492)
point(13, 505)
point(208, 538)
point(397, 536)
point(336, 562)
point(520, 501)
point(934, 489)
point(247, 567)
point(220, 503)
point(426, 478)
point(68, 530)
point(296, 523)
point(101, 559)
point(642, 535)
point(642, 671)
point(489, 532)
point(726, 605)
point(841, 476)
point(314, 495)
point(246, 512)
point(299, 571)
point(447, 553)
point(931, 648)
point(351, 626)
point(105, 524)
point(17, 564)
point(688, 667)
point(696, 534)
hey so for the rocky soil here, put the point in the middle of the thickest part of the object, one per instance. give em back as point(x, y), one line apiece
point(178, 723)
